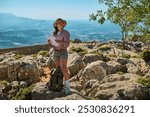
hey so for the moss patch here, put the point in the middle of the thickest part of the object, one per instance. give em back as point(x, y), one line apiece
point(112, 55)
point(104, 47)
point(4, 82)
point(43, 53)
point(126, 56)
point(96, 52)
point(144, 81)
point(24, 93)
point(34, 55)
point(81, 51)
point(18, 56)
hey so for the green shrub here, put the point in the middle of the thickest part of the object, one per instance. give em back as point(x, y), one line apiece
point(144, 81)
point(4, 82)
point(18, 56)
point(126, 56)
point(112, 55)
point(145, 55)
point(23, 93)
point(96, 52)
point(104, 47)
point(43, 53)
point(81, 51)
point(34, 55)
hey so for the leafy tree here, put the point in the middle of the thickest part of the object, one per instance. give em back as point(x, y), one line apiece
point(131, 15)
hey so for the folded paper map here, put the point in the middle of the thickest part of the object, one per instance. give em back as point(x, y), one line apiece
point(53, 40)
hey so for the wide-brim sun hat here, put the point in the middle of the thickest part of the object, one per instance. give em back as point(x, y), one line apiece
point(64, 23)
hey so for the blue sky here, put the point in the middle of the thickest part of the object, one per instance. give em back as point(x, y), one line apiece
point(51, 9)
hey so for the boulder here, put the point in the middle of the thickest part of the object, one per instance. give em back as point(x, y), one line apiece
point(138, 66)
point(75, 64)
point(7, 57)
point(132, 68)
point(23, 70)
point(115, 77)
point(89, 86)
point(89, 58)
point(103, 95)
point(133, 92)
point(94, 70)
point(114, 67)
point(115, 86)
point(122, 61)
point(40, 92)
point(141, 65)
point(3, 73)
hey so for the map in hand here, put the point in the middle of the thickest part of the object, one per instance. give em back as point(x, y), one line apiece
point(53, 40)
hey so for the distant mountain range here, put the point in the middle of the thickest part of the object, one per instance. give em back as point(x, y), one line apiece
point(12, 21)
point(19, 31)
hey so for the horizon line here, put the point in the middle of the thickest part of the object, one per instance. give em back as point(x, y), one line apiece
point(39, 18)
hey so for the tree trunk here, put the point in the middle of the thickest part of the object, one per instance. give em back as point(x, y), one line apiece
point(123, 35)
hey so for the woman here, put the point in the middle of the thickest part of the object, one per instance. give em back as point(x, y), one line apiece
point(60, 53)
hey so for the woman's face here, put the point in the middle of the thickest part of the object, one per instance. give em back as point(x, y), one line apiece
point(59, 25)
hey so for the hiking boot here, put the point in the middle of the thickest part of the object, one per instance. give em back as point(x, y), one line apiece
point(67, 90)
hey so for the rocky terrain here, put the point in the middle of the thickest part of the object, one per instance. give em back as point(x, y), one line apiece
point(103, 71)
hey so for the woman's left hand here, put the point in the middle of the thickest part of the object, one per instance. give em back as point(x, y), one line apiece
point(49, 41)
point(58, 41)
point(59, 47)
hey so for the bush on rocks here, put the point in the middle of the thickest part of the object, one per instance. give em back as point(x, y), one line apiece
point(104, 48)
point(145, 55)
point(81, 51)
point(144, 81)
point(24, 93)
point(43, 53)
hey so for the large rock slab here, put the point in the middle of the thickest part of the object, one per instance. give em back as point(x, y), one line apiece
point(117, 87)
point(40, 92)
point(114, 67)
point(89, 58)
point(75, 64)
point(23, 70)
point(3, 73)
point(94, 70)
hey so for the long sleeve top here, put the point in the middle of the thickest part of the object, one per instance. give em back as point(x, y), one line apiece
point(63, 36)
